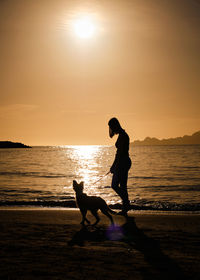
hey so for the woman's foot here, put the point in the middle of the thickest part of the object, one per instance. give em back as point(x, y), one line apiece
point(126, 206)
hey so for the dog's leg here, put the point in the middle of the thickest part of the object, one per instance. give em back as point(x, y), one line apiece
point(105, 212)
point(84, 212)
point(94, 213)
point(87, 221)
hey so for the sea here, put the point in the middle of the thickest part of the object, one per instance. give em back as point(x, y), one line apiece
point(162, 178)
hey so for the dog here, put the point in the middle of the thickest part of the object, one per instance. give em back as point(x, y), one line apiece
point(91, 203)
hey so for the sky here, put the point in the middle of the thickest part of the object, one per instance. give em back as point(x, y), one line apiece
point(141, 64)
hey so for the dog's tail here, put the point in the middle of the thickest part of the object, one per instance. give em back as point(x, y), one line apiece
point(111, 211)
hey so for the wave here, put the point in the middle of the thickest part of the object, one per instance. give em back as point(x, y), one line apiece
point(35, 174)
point(42, 203)
point(163, 178)
point(187, 167)
point(142, 204)
point(27, 191)
point(172, 188)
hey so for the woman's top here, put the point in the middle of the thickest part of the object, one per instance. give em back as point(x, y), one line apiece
point(122, 159)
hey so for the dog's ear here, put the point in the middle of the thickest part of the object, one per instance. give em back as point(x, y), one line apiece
point(82, 184)
point(74, 183)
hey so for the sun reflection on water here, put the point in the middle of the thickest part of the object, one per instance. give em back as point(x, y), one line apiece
point(85, 152)
point(87, 170)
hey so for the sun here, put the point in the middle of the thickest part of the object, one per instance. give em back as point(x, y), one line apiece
point(84, 27)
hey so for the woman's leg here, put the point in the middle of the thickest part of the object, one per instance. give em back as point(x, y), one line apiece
point(115, 184)
point(119, 184)
point(123, 190)
point(123, 186)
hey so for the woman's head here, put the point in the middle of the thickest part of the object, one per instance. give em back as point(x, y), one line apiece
point(114, 127)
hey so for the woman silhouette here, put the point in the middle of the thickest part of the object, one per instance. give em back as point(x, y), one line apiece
point(121, 164)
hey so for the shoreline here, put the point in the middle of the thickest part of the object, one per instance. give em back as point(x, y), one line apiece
point(131, 212)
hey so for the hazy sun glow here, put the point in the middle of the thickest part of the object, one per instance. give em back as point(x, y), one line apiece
point(84, 27)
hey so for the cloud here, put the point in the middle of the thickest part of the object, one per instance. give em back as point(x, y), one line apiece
point(78, 112)
point(17, 111)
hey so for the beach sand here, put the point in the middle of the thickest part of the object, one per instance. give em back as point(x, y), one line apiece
point(51, 244)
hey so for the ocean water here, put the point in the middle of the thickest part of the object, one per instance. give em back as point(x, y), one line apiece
point(161, 177)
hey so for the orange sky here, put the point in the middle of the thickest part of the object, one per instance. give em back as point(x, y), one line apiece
point(141, 66)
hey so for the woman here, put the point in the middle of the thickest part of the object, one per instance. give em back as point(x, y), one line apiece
point(121, 164)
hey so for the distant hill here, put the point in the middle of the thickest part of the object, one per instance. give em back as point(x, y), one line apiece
point(9, 144)
point(194, 139)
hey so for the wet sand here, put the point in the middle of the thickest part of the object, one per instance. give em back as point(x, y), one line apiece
point(51, 244)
